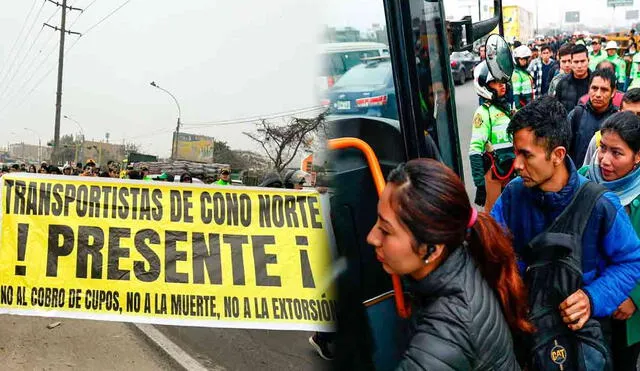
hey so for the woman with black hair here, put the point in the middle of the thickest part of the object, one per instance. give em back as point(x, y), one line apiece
point(617, 167)
point(186, 178)
point(460, 267)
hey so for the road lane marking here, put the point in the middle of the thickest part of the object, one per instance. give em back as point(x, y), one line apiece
point(173, 350)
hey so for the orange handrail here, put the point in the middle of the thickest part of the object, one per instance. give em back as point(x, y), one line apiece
point(379, 182)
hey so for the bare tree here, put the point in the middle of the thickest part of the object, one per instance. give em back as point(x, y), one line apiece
point(281, 143)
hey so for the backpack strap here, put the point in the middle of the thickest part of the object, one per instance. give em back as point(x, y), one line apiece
point(568, 228)
point(574, 218)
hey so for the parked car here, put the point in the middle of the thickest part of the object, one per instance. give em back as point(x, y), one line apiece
point(366, 89)
point(462, 65)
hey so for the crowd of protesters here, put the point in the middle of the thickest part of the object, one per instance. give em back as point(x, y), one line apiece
point(114, 170)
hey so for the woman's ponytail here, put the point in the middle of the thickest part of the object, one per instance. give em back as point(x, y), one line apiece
point(492, 250)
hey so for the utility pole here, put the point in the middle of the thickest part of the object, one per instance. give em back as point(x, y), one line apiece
point(63, 31)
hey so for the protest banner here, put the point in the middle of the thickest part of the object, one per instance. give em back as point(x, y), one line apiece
point(163, 253)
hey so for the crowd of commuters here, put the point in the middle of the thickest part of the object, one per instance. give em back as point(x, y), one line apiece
point(547, 275)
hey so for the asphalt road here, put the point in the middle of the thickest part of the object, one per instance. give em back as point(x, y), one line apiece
point(289, 350)
point(466, 104)
point(37, 343)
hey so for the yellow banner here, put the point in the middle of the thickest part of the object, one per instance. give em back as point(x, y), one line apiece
point(164, 253)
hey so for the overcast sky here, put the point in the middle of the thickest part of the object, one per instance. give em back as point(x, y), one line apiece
point(362, 13)
point(221, 59)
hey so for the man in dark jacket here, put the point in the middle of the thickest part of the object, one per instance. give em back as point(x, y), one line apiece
point(547, 183)
point(575, 85)
point(585, 119)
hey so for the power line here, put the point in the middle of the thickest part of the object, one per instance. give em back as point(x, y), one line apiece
point(106, 17)
point(42, 79)
point(8, 85)
point(21, 66)
point(21, 45)
point(24, 99)
point(45, 60)
point(246, 120)
point(15, 42)
point(42, 63)
point(52, 15)
point(89, 6)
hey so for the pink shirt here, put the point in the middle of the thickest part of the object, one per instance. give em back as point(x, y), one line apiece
point(617, 99)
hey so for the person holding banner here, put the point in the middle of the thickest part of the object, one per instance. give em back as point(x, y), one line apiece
point(454, 260)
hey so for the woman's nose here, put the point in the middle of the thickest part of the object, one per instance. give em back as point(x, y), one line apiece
point(372, 237)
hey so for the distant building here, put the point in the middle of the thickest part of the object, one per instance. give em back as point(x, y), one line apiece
point(101, 152)
point(347, 34)
point(29, 152)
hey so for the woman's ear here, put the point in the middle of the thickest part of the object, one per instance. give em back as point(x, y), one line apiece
point(430, 252)
point(636, 159)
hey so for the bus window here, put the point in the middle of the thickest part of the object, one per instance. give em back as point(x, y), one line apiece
point(358, 79)
point(339, 57)
point(434, 78)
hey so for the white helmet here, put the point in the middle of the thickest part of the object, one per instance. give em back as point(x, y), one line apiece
point(481, 79)
point(611, 45)
point(522, 51)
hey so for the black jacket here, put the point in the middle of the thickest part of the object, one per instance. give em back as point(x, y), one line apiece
point(584, 124)
point(457, 321)
point(570, 89)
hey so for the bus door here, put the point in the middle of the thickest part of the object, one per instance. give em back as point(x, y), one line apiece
point(369, 314)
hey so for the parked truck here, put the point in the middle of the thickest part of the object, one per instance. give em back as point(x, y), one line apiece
point(518, 24)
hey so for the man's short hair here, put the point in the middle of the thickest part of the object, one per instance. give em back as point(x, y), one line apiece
point(135, 174)
point(565, 50)
point(601, 65)
point(579, 49)
point(605, 74)
point(547, 118)
point(545, 47)
point(631, 96)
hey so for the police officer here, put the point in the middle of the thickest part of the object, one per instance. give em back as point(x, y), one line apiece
point(521, 80)
point(490, 151)
point(225, 177)
point(634, 75)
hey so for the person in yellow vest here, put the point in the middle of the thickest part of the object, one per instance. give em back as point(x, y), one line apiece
point(634, 73)
point(597, 55)
point(225, 177)
point(521, 81)
point(621, 65)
